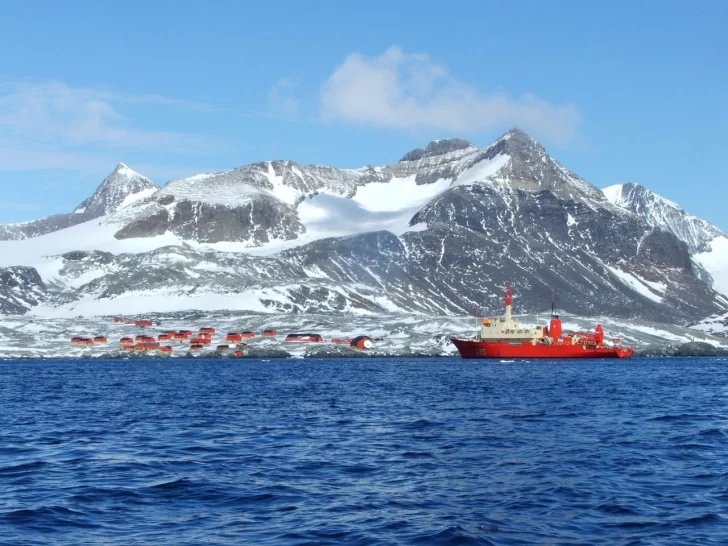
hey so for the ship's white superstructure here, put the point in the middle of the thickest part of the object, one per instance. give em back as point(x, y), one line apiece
point(507, 329)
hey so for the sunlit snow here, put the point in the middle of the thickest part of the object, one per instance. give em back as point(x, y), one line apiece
point(715, 262)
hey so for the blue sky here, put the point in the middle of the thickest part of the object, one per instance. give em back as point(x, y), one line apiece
point(618, 92)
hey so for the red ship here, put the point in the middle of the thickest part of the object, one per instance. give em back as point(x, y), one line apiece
point(502, 337)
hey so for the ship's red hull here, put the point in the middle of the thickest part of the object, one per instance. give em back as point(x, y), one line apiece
point(470, 348)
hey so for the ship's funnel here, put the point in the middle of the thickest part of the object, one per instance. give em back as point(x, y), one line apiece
point(555, 328)
point(508, 300)
point(600, 333)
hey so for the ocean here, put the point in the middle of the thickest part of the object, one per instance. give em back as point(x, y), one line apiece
point(364, 451)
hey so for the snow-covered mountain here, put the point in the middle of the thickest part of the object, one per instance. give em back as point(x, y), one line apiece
point(122, 187)
point(708, 245)
point(438, 232)
point(664, 214)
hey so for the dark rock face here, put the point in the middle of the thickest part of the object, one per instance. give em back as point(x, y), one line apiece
point(148, 226)
point(699, 348)
point(21, 288)
point(663, 248)
point(256, 222)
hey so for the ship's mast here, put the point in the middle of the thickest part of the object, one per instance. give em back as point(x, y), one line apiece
point(509, 302)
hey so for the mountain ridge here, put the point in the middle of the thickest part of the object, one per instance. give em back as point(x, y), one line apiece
point(435, 234)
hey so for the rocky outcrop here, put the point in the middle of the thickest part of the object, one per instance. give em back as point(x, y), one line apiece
point(21, 288)
point(255, 222)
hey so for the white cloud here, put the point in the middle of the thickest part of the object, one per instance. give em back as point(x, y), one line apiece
point(59, 115)
point(408, 91)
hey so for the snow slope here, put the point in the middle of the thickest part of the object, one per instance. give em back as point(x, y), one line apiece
point(42, 252)
point(715, 262)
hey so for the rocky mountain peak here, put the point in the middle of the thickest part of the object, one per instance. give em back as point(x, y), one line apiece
point(438, 147)
point(662, 213)
point(521, 146)
point(637, 198)
point(117, 189)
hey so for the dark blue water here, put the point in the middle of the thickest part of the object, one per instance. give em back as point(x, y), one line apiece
point(411, 451)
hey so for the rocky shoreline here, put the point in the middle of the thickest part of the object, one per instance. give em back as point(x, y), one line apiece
point(691, 349)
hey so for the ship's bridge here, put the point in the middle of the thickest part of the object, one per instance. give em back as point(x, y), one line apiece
point(507, 329)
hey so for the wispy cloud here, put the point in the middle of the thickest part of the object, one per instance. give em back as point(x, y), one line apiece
point(409, 91)
point(282, 100)
point(11, 205)
point(59, 115)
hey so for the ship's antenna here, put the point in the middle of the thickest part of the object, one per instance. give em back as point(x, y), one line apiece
point(553, 303)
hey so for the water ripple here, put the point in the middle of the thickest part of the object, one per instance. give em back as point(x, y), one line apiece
point(414, 451)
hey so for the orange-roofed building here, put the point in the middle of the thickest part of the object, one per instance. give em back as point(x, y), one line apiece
point(362, 343)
